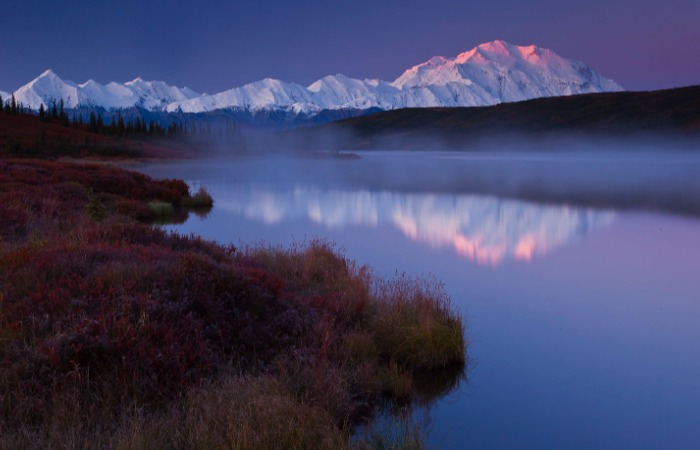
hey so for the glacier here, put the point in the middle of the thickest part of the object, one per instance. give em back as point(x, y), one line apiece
point(490, 73)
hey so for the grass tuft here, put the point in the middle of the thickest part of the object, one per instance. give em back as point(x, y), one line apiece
point(201, 199)
point(415, 324)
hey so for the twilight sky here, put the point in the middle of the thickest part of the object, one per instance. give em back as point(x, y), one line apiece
point(213, 45)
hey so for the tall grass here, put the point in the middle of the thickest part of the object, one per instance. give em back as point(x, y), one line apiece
point(241, 412)
point(415, 324)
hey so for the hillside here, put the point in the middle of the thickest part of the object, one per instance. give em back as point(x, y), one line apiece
point(25, 135)
point(605, 114)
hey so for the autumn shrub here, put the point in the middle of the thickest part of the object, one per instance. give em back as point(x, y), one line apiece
point(178, 189)
point(319, 275)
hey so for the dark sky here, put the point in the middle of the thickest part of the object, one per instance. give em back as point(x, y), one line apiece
point(215, 45)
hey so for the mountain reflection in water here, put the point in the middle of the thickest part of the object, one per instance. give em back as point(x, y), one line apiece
point(484, 229)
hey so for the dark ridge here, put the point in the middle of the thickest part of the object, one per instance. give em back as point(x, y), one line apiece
point(675, 111)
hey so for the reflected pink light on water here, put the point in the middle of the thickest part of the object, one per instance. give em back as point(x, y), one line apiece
point(465, 247)
point(407, 225)
point(472, 250)
point(525, 248)
point(485, 230)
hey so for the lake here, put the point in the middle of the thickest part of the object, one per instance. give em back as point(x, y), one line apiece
point(582, 303)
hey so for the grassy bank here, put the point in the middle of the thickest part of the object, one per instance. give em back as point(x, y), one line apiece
point(116, 334)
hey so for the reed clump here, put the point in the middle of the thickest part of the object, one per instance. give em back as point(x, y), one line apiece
point(200, 200)
point(415, 324)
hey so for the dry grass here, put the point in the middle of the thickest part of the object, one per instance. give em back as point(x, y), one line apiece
point(415, 324)
point(238, 413)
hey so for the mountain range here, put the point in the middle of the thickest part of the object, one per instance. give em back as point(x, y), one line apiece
point(489, 74)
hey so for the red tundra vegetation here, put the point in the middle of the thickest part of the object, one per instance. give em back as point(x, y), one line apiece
point(117, 334)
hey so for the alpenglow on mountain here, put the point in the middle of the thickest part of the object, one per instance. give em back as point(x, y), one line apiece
point(488, 74)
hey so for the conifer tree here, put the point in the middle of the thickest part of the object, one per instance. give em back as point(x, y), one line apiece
point(1, 103)
point(120, 125)
point(93, 121)
point(42, 112)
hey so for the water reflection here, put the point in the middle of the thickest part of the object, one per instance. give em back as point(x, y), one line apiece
point(180, 215)
point(409, 424)
point(483, 229)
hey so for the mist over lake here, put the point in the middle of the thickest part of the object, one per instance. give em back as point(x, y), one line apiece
point(576, 272)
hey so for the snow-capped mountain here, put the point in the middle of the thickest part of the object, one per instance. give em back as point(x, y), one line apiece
point(5, 95)
point(488, 74)
point(491, 73)
point(498, 72)
point(152, 95)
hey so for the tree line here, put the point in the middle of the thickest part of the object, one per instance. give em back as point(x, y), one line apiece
point(118, 126)
point(11, 106)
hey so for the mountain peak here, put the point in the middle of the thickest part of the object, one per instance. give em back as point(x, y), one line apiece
point(89, 83)
point(498, 71)
point(49, 80)
point(498, 46)
point(48, 76)
point(48, 73)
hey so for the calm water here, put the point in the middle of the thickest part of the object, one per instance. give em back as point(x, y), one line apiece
point(584, 323)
